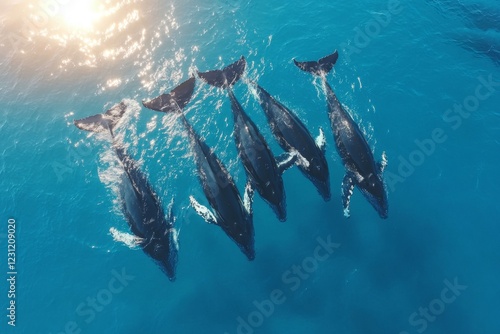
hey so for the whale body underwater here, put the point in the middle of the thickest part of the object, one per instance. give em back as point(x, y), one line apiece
point(293, 137)
point(261, 167)
point(230, 213)
point(361, 168)
point(155, 232)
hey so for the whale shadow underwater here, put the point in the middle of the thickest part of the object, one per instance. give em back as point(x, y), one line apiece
point(480, 33)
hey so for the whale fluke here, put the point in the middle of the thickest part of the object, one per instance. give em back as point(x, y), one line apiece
point(226, 77)
point(320, 67)
point(102, 122)
point(175, 101)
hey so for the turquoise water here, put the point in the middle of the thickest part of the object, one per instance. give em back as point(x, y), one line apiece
point(399, 74)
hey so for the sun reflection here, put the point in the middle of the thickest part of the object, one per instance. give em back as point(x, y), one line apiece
point(81, 14)
point(105, 43)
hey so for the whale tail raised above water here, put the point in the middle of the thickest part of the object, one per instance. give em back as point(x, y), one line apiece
point(320, 67)
point(175, 101)
point(226, 77)
point(102, 122)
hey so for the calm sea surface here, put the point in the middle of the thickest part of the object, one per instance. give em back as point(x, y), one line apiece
point(421, 78)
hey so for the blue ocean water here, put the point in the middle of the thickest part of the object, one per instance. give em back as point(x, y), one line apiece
point(423, 81)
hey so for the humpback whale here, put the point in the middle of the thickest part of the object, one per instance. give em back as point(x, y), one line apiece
point(261, 167)
point(154, 232)
point(293, 136)
point(230, 213)
point(361, 169)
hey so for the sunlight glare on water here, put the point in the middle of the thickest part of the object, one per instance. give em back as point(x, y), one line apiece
point(84, 39)
point(81, 14)
point(92, 26)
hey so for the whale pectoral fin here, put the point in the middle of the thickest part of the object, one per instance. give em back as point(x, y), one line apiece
point(170, 212)
point(248, 197)
point(286, 160)
point(203, 211)
point(321, 140)
point(130, 240)
point(347, 189)
point(383, 163)
point(301, 161)
point(171, 223)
